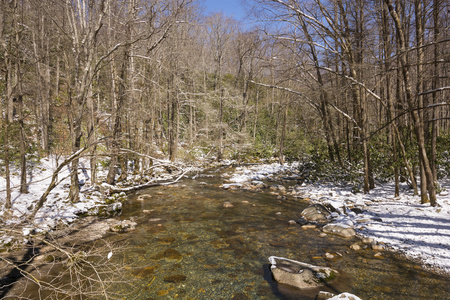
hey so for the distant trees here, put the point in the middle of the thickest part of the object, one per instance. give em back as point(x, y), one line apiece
point(373, 53)
point(362, 84)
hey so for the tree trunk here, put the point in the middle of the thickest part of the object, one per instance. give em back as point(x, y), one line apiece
point(283, 135)
point(434, 85)
point(119, 97)
point(255, 121)
point(390, 113)
point(42, 56)
point(173, 118)
point(92, 138)
point(418, 8)
point(220, 147)
point(23, 148)
point(6, 162)
point(324, 99)
point(74, 192)
point(418, 123)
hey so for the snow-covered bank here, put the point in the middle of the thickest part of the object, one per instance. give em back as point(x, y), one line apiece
point(419, 231)
point(259, 172)
point(57, 209)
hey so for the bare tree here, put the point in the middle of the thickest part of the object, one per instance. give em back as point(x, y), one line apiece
point(417, 119)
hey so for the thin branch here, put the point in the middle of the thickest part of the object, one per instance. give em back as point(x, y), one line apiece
point(54, 182)
point(435, 90)
point(165, 162)
point(310, 102)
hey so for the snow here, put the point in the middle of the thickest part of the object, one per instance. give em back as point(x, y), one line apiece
point(345, 296)
point(260, 172)
point(419, 231)
point(56, 210)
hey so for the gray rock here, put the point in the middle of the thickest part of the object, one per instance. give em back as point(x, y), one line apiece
point(377, 247)
point(316, 213)
point(300, 275)
point(367, 240)
point(278, 187)
point(340, 230)
point(355, 247)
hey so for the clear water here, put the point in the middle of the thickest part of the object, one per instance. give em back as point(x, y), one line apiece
point(189, 246)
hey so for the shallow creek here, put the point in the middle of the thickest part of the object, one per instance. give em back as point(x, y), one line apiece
point(189, 246)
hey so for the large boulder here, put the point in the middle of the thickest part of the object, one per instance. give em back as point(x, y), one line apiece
point(300, 275)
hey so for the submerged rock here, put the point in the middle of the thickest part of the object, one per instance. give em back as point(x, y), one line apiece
point(123, 226)
point(300, 275)
point(102, 210)
point(172, 255)
point(227, 204)
point(144, 197)
point(143, 272)
point(175, 278)
point(166, 240)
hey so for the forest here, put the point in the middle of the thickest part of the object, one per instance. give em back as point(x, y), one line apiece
point(357, 89)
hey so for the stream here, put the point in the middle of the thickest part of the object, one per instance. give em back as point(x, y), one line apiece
point(187, 245)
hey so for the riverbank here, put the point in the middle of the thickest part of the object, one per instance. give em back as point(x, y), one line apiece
point(401, 224)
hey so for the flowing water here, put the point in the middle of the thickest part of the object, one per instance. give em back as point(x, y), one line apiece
point(189, 246)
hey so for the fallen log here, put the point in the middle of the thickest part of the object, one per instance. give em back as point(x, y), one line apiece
point(114, 189)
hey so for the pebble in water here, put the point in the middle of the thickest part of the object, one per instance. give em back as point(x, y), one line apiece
point(166, 240)
point(175, 278)
point(143, 272)
point(172, 255)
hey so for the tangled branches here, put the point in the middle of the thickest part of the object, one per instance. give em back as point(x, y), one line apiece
point(51, 268)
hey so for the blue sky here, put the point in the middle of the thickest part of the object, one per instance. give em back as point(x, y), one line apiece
point(231, 8)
